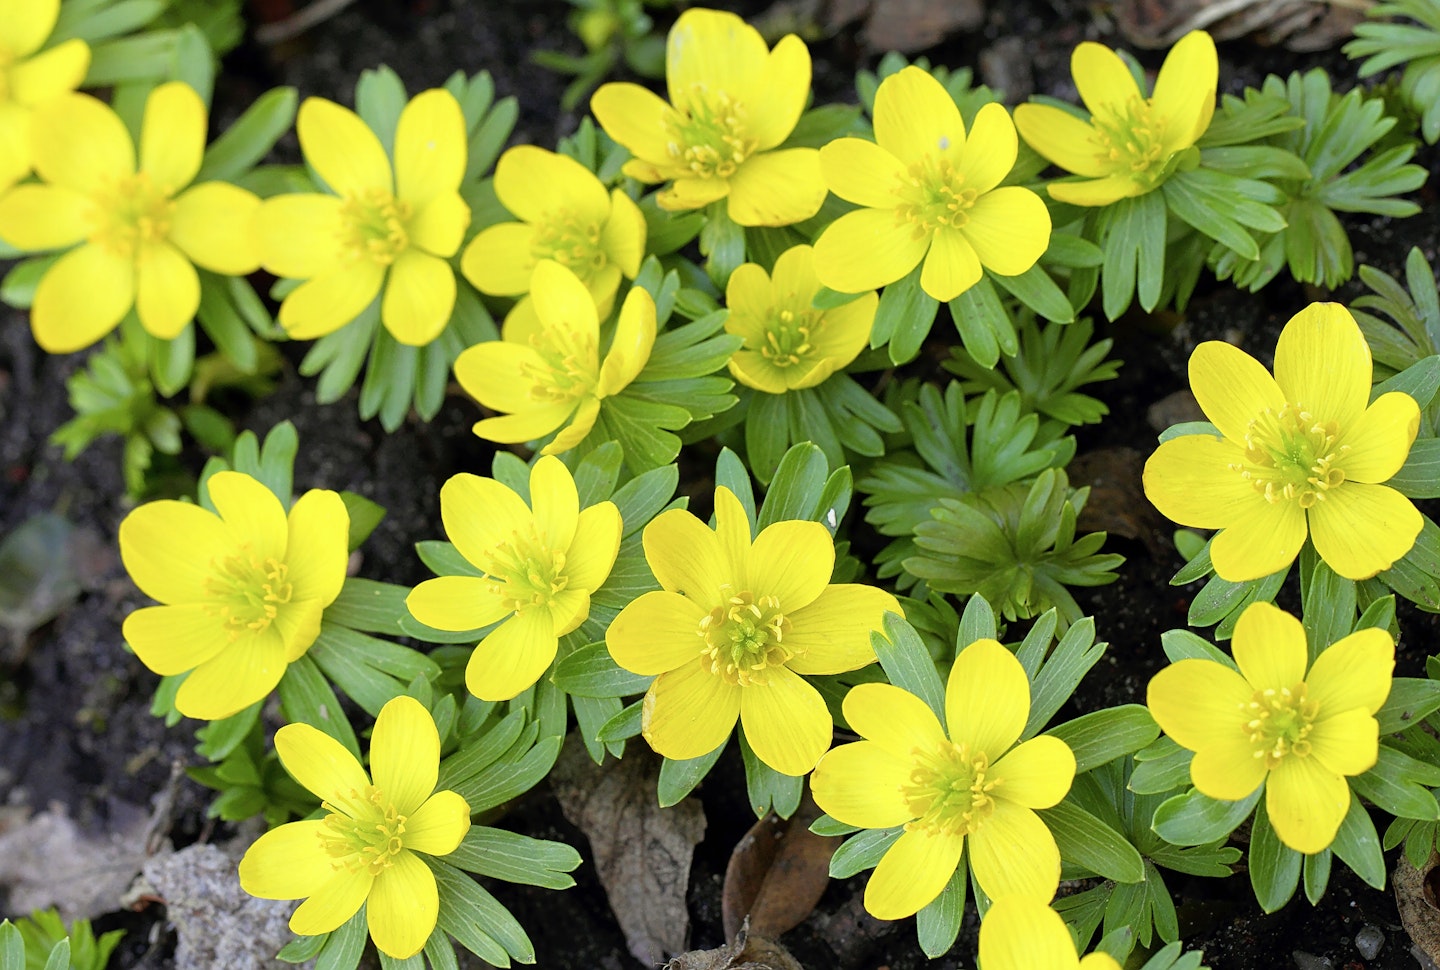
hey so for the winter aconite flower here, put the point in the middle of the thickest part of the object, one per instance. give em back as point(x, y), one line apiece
point(546, 371)
point(1020, 933)
point(364, 851)
point(141, 231)
point(1301, 453)
point(732, 629)
point(1132, 143)
point(540, 562)
point(383, 228)
point(732, 102)
point(243, 591)
point(930, 192)
point(973, 781)
point(30, 76)
point(788, 343)
point(565, 215)
point(1298, 733)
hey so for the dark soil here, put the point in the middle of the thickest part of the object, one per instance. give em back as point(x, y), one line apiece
point(76, 730)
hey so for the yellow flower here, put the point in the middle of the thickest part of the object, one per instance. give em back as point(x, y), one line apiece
point(788, 343)
point(564, 215)
point(1273, 724)
point(1301, 453)
point(929, 192)
point(541, 564)
point(243, 591)
point(732, 101)
point(1131, 144)
point(1025, 934)
point(29, 77)
point(732, 629)
point(364, 851)
point(974, 782)
point(139, 232)
point(546, 369)
point(380, 229)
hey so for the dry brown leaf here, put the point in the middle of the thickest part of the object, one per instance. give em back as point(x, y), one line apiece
point(776, 874)
point(47, 861)
point(1117, 502)
point(1301, 25)
point(900, 25)
point(748, 952)
point(1415, 895)
point(642, 852)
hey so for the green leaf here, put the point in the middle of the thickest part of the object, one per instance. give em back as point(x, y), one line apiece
point(1274, 866)
point(306, 697)
point(907, 663)
point(985, 326)
point(794, 492)
point(1038, 291)
point(1400, 785)
point(503, 781)
point(369, 606)
point(250, 138)
point(863, 851)
point(343, 946)
point(722, 242)
point(476, 920)
point(1103, 736)
point(938, 924)
point(12, 947)
point(679, 778)
point(976, 623)
point(1134, 246)
point(591, 672)
point(1358, 845)
point(1069, 662)
point(767, 787)
point(1197, 819)
point(1419, 477)
point(903, 317)
point(1411, 698)
point(516, 858)
point(365, 515)
point(1087, 841)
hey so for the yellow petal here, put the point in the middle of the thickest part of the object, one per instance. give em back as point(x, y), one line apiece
point(252, 514)
point(912, 873)
point(499, 260)
point(785, 86)
point(832, 634)
point(636, 118)
point(479, 514)
point(298, 624)
point(1036, 773)
point(1096, 192)
point(439, 825)
point(405, 753)
point(1062, 138)
point(1190, 481)
point(792, 561)
point(1269, 647)
point(685, 557)
point(316, 552)
point(577, 430)
point(419, 297)
point(1014, 853)
point(244, 672)
point(1020, 933)
point(1361, 529)
point(689, 712)
point(732, 530)
point(754, 370)
point(1232, 387)
point(1306, 803)
point(749, 299)
point(438, 226)
point(595, 546)
point(1347, 743)
point(163, 569)
point(538, 185)
point(867, 249)
point(209, 223)
point(288, 862)
point(51, 73)
point(1009, 229)
point(692, 193)
point(845, 331)
point(81, 144)
point(893, 718)
point(1185, 89)
point(172, 136)
point(402, 907)
point(173, 639)
point(1353, 672)
point(1260, 539)
point(862, 172)
point(555, 501)
point(990, 150)
point(36, 217)
point(1322, 362)
point(951, 265)
point(327, 302)
point(623, 235)
point(1228, 768)
point(343, 151)
point(630, 350)
point(1105, 83)
point(656, 632)
point(330, 906)
point(713, 51)
point(167, 290)
point(457, 603)
point(16, 157)
point(324, 767)
point(430, 148)
point(526, 425)
point(298, 235)
point(1199, 703)
point(25, 26)
point(1379, 441)
point(863, 784)
point(81, 298)
point(560, 299)
point(491, 373)
point(512, 657)
point(786, 721)
point(987, 698)
point(916, 119)
point(777, 188)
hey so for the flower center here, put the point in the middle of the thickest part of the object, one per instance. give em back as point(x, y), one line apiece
point(1130, 141)
point(934, 197)
point(369, 843)
point(372, 227)
point(709, 139)
point(525, 571)
point(249, 592)
point(1278, 723)
point(1290, 456)
point(569, 365)
point(129, 212)
point(787, 337)
point(745, 637)
point(571, 243)
point(949, 791)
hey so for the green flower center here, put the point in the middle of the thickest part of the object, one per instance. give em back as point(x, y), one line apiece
point(1289, 456)
point(949, 792)
point(1130, 141)
point(525, 571)
point(1278, 723)
point(370, 843)
point(372, 227)
point(710, 140)
point(745, 637)
point(934, 196)
point(571, 243)
point(787, 337)
point(129, 212)
point(248, 592)
point(568, 367)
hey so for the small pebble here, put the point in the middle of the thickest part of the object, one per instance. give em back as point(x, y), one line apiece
point(1369, 941)
point(1308, 961)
